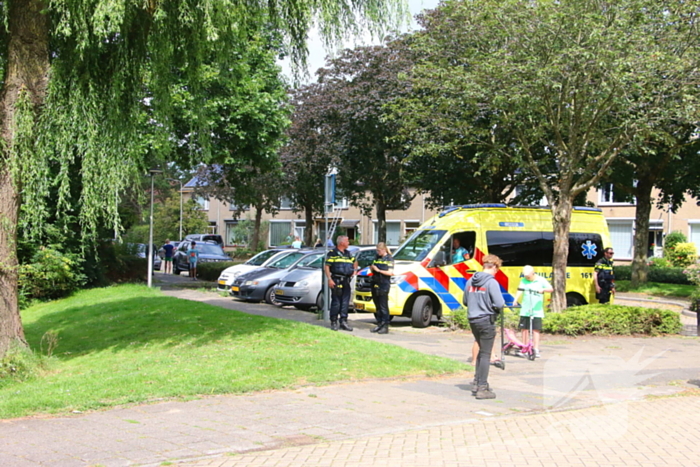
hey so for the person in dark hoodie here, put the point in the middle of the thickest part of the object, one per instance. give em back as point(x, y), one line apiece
point(484, 301)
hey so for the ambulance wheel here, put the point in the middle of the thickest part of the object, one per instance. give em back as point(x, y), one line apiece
point(574, 299)
point(422, 312)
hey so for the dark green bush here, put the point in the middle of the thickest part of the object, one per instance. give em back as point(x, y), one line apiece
point(612, 320)
point(50, 275)
point(211, 271)
point(656, 274)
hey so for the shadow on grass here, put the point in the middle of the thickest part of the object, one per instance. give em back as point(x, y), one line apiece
point(122, 324)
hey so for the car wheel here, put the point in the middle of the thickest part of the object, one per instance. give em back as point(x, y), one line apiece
point(422, 312)
point(319, 301)
point(270, 297)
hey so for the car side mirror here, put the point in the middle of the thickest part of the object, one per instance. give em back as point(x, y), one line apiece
point(438, 261)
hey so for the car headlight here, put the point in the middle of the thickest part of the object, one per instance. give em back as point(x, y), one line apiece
point(250, 283)
point(302, 284)
point(398, 278)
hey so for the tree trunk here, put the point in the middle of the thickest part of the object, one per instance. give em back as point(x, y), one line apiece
point(641, 232)
point(309, 239)
point(381, 219)
point(26, 74)
point(256, 229)
point(561, 223)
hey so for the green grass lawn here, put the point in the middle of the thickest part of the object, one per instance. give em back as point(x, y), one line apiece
point(131, 344)
point(657, 289)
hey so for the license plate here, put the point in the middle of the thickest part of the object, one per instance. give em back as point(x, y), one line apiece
point(279, 292)
point(222, 282)
point(360, 306)
point(234, 288)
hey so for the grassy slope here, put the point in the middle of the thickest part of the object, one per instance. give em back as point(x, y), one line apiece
point(131, 344)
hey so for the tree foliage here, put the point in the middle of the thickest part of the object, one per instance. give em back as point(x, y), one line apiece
point(572, 83)
point(356, 87)
point(78, 73)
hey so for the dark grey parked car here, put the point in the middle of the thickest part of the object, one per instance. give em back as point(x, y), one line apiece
point(209, 252)
point(259, 285)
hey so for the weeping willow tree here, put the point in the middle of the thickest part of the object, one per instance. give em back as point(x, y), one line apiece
point(77, 74)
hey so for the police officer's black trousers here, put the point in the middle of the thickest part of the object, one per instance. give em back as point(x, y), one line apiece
point(340, 299)
point(381, 303)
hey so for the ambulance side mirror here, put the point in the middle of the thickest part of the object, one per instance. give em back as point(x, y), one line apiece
point(438, 261)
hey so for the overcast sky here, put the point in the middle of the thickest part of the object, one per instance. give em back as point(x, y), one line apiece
point(317, 54)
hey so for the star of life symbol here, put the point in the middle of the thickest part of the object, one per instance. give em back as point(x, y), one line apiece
point(589, 249)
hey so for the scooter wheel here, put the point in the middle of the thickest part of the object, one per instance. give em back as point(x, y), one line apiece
point(506, 351)
point(531, 356)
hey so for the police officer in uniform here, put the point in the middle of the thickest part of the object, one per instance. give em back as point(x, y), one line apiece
point(382, 270)
point(340, 267)
point(604, 277)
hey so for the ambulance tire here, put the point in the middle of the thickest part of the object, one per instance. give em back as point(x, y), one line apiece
point(574, 299)
point(422, 312)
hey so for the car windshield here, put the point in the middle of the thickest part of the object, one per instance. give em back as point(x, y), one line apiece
point(207, 249)
point(284, 263)
point(365, 258)
point(309, 259)
point(260, 258)
point(317, 262)
point(419, 245)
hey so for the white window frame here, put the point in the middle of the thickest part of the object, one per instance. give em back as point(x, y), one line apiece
point(691, 223)
point(610, 202)
point(203, 202)
point(375, 233)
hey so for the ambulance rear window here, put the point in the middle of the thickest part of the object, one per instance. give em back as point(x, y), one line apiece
point(536, 248)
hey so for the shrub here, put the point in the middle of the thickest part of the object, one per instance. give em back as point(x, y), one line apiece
point(670, 242)
point(659, 263)
point(693, 274)
point(211, 271)
point(19, 364)
point(695, 301)
point(663, 275)
point(50, 275)
point(612, 319)
point(457, 319)
point(683, 255)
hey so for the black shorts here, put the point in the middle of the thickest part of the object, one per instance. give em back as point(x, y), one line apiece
point(525, 323)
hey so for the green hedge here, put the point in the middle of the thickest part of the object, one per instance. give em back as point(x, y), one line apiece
point(211, 271)
point(662, 275)
point(612, 319)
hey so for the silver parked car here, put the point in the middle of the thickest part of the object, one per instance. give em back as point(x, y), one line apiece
point(302, 287)
point(259, 284)
point(260, 260)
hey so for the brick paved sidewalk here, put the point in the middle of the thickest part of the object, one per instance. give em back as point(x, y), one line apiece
point(658, 432)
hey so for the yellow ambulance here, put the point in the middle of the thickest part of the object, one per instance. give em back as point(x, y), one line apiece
point(430, 271)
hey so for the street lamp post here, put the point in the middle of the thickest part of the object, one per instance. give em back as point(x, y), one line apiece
point(152, 173)
point(180, 182)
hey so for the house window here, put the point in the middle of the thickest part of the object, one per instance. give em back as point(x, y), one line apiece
point(233, 236)
point(607, 195)
point(621, 235)
point(285, 203)
point(393, 232)
point(233, 206)
point(694, 237)
point(410, 227)
point(203, 203)
point(280, 232)
point(213, 228)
